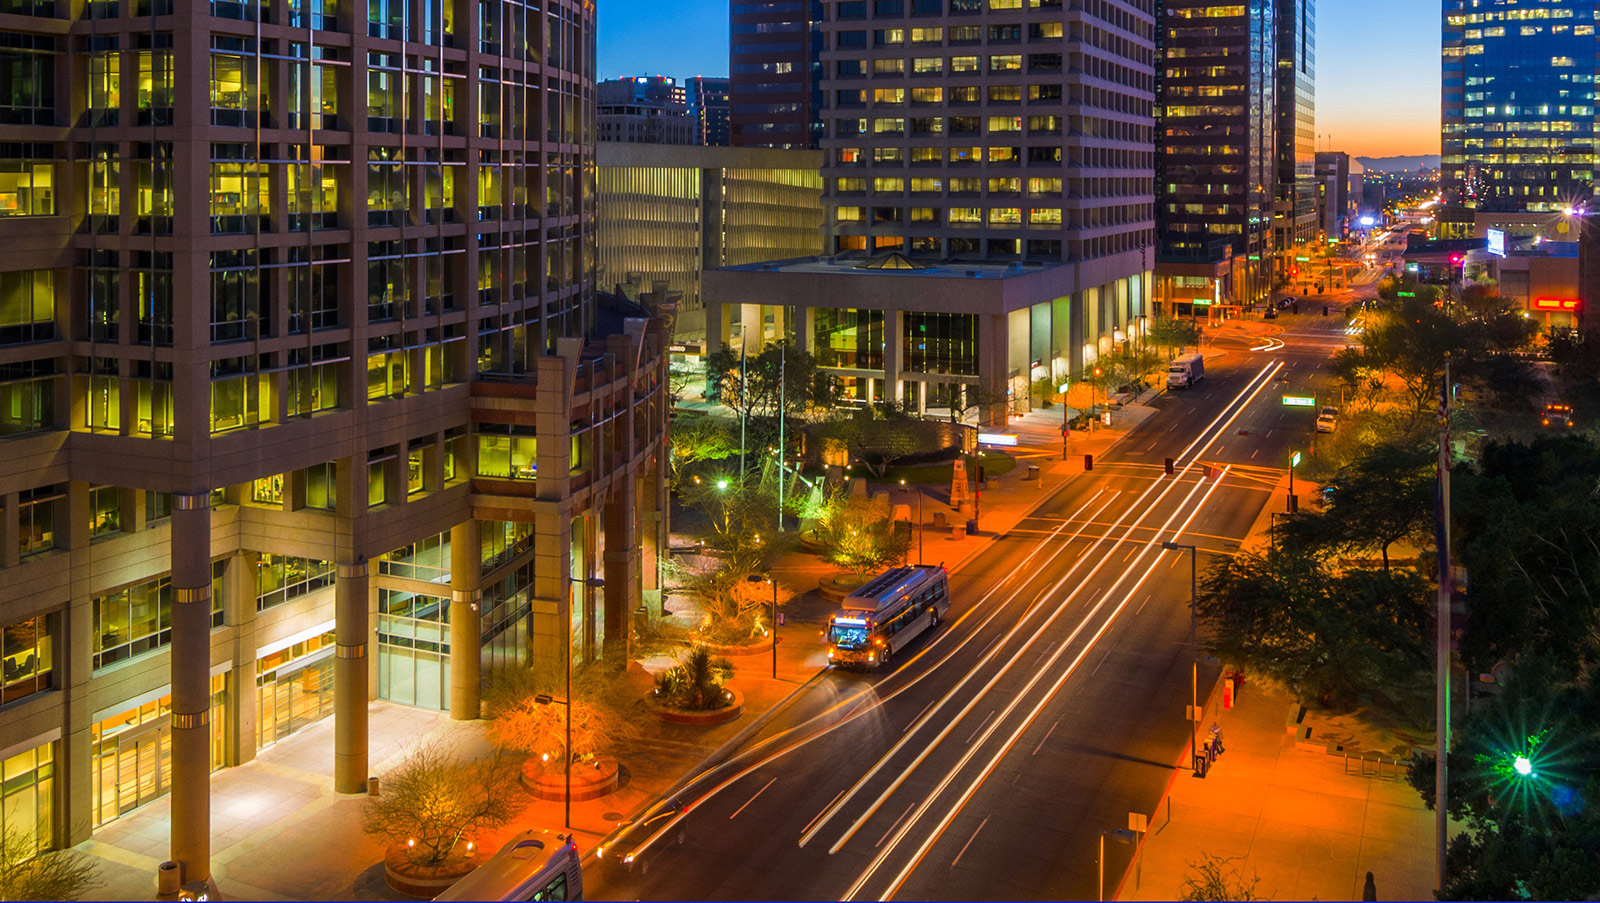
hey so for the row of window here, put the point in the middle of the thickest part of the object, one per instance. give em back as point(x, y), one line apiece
point(953, 216)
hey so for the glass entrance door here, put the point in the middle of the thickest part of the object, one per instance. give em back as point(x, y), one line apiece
point(143, 766)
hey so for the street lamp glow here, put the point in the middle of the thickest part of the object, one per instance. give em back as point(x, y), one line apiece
point(722, 484)
point(1522, 766)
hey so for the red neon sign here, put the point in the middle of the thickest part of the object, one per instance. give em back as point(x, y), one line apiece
point(1556, 304)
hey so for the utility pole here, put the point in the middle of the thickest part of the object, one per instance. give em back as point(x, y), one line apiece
point(1442, 691)
point(744, 402)
point(783, 374)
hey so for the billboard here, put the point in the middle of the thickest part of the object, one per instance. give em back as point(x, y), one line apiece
point(1497, 242)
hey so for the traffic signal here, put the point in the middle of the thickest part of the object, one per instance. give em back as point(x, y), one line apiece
point(1088, 462)
point(1170, 464)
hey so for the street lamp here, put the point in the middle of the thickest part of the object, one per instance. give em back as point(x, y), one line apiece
point(767, 578)
point(920, 558)
point(1294, 461)
point(1194, 647)
point(547, 699)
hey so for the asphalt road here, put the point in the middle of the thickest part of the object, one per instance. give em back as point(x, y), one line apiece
point(1048, 707)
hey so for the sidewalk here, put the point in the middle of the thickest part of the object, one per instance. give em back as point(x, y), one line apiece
point(1307, 824)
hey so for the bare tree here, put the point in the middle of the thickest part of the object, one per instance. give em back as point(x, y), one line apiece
point(27, 874)
point(433, 803)
point(1213, 878)
point(520, 722)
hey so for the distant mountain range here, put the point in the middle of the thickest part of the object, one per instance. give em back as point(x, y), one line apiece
point(1410, 163)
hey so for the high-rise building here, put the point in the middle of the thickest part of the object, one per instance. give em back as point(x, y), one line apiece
point(1295, 211)
point(1217, 152)
point(306, 393)
point(708, 107)
point(988, 186)
point(1519, 104)
point(1339, 188)
point(648, 109)
point(775, 70)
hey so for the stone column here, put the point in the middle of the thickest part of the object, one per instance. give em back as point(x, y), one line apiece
point(350, 678)
point(893, 355)
point(191, 685)
point(466, 591)
point(242, 615)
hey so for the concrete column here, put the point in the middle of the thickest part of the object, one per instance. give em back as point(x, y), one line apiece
point(466, 591)
point(993, 360)
point(621, 565)
point(242, 615)
point(893, 354)
point(191, 685)
point(350, 678)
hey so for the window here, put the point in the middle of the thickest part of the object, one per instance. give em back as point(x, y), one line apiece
point(851, 339)
point(105, 511)
point(1010, 62)
point(884, 37)
point(321, 487)
point(280, 578)
point(426, 559)
point(1005, 124)
point(927, 95)
point(27, 79)
point(927, 65)
point(1044, 216)
point(927, 155)
point(1005, 216)
point(963, 64)
point(233, 101)
point(26, 658)
point(507, 452)
point(387, 191)
point(377, 483)
point(27, 306)
point(927, 35)
point(241, 196)
point(941, 343)
point(965, 215)
point(267, 491)
point(138, 619)
point(27, 188)
point(889, 95)
point(27, 798)
point(36, 526)
point(896, 66)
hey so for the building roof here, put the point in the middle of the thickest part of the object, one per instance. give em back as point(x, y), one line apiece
point(897, 264)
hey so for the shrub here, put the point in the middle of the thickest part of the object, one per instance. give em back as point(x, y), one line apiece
point(433, 803)
point(695, 683)
point(27, 874)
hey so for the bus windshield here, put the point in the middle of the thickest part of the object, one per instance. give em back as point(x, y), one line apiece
point(848, 636)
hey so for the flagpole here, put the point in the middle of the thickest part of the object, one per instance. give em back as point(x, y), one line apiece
point(1442, 637)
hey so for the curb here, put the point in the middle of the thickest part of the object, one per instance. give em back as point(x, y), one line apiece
point(1178, 769)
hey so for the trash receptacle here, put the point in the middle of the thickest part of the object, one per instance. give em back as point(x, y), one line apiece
point(169, 878)
point(958, 531)
point(972, 527)
point(372, 786)
point(1033, 472)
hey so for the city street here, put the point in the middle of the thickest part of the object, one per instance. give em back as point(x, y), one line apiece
point(988, 762)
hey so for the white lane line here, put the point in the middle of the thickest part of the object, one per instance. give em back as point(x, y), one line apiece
point(895, 825)
point(910, 723)
point(964, 846)
point(1102, 662)
point(752, 799)
point(1041, 655)
point(1142, 605)
point(1045, 738)
point(980, 726)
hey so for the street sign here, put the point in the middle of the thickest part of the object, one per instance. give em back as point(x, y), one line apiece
point(1299, 401)
point(1006, 439)
point(1294, 460)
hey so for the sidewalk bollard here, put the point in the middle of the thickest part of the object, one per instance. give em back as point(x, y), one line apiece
point(1088, 462)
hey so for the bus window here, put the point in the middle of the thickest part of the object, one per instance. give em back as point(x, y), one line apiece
point(849, 636)
point(555, 890)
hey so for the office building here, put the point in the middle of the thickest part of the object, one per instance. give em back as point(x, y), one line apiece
point(650, 109)
point(1339, 181)
point(1217, 154)
point(1518, 128)
point(670, 214)
point(708, 107)
point(988, 187)
point(775, 73)
point(306, 394)
point(1295, 210)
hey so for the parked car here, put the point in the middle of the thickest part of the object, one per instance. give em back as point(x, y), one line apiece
point(1327, 419)
point(1271, 314)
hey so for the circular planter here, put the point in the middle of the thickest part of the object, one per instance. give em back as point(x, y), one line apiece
point(426, 881)
point(836, 587)
point(590, 780)
point(673, 715)
point(761, 647)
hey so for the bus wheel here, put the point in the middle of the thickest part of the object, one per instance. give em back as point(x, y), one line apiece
point(933, 619)
point(883, 660)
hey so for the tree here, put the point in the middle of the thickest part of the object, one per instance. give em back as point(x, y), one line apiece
point(731, 606)
point(974, 399)
point(1327, 636)
point(1174, 333)
point(1527, 519)
point(27, 874)
point(1531, 833)
point(878, 435)
point(698, 440)
point(432, 803)
point(695, 682)
point(1384, 496)
point(519, 721)
point(779, 375)
point(855, 535)
point(1212, 878)
point(1355, 368)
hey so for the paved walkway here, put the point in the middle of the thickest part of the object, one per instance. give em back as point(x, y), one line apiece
point(1308, 824)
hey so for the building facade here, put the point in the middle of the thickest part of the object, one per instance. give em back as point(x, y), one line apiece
point(1217, 153)
point(775, 73)
point(670, 214)
point(651, 109)
point(708, 107)
point(987, 182)
point(306, 394)
point(1518, 131)
point(1295, 212)
point(1339, 182)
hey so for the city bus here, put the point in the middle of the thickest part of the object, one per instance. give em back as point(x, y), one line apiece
point(891, 610)
point(534, 865)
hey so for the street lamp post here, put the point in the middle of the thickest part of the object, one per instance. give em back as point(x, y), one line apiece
point(767, 578)
point(1120, 835)
point(547, 699)
point(920, 558)
point(1194, 646)
point(1294, 459)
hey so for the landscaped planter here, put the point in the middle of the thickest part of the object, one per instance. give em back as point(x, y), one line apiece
point(427, 881)
point(760, 647)
point(590, 780)
point(674, 715)
point(836, 587)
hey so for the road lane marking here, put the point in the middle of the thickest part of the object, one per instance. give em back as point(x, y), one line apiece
point(895, 825)
point(908, 724)
point(980, 726)
point(1102, 662)
point(964, 846)
point(1046, 737)
point(752, 799)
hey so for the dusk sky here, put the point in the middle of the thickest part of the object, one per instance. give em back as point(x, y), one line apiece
point(1377, 63)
